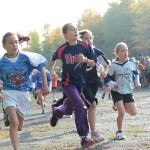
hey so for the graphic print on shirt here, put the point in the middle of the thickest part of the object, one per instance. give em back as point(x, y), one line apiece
point(16, 79)
point(71, 59)
point(124, 75)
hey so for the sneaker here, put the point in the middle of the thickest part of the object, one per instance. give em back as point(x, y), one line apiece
point(87, 142)
point(55, 103)
point(103, 96)
point(53, 120)
point(6, 120)
point(96, 137)
point(120, 135)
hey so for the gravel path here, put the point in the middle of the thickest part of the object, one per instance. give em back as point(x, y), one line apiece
point(38, 135)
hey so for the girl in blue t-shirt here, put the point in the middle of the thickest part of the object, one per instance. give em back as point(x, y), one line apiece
point(15, 68)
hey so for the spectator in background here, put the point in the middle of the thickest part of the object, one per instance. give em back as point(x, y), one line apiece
point(142, 59)
point(58, 72)
point(37, 86)
point(147, 68)
point(55, 79)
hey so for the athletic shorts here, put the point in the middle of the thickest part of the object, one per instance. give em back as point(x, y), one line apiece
point(19, 99)
point(89, 93)
point(127, 98)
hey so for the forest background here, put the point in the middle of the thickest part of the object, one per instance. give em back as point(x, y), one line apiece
point(127, 21)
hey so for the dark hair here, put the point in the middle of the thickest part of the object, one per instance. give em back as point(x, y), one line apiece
point(82, 32)
point(140, 54)
point(23, 38)
point(4, 39)
point(20, 37)
point(65, 27)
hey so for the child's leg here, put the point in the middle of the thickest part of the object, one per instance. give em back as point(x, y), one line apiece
point(92, 116)
point(14, 124)
point(6, 120)
point(21, 121)
point(131, 108)
point(121, 113)
point(54, 91)
point(79, 109)
point(41, 101)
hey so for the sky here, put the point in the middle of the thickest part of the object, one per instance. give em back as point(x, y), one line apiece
point(28, 15)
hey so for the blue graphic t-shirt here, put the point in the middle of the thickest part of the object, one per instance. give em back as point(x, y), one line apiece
point(15, 75)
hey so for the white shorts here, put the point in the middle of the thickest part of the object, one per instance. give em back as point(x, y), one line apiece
point(21, 100)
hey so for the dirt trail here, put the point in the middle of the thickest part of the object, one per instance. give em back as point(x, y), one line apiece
point(38, 135)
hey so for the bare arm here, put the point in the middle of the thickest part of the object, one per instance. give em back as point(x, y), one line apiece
point(89, 62)
point(45, 90)
point(52, 65)
point(104, 72)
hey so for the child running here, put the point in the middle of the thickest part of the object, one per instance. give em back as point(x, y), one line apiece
point(15, 68)
point(37, 86)
point(91, 88)
point(55, 79)
point(122, 78)
point(75, 56)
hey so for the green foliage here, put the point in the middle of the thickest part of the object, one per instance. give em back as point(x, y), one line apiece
point(141, 28)
point(117, 24)
point(127, 21)
point(35, 45)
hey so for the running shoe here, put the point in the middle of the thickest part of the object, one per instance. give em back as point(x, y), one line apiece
point(87, 142)
point(120, 135)
point(96, 137)
point(53, 119)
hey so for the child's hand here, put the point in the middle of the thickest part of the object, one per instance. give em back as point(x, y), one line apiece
point(45, 90)
point(138, 87)
point(81, 58)
point(103, 75)
point(116, 87)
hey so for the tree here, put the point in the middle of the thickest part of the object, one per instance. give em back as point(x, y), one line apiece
point(52, 39)
point(35, 45)
point(117, 25)
point(92, 20)
point(141, 28)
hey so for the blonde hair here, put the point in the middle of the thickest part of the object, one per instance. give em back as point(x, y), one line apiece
point(117, 47)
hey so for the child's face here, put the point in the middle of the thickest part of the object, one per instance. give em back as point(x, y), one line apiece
point(11, 45)
point(87, 37)
point(72, 33)
point(122, 52)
